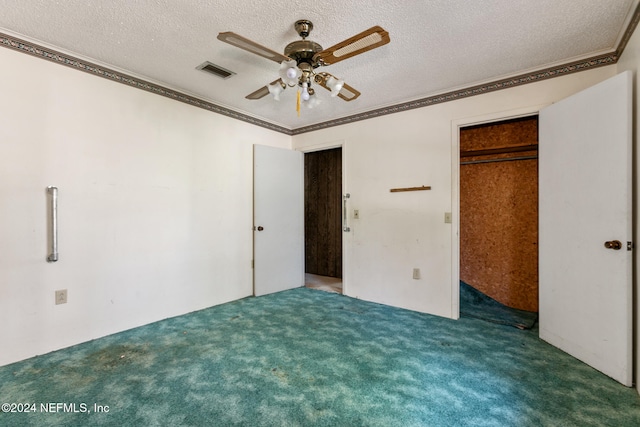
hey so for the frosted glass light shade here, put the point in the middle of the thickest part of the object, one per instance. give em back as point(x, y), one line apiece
point(289, 72)
point(335, 85)
point(275, 90)
point(313, 101)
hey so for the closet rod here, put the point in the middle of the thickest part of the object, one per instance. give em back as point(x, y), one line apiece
point(507, 159)
point(499, 150)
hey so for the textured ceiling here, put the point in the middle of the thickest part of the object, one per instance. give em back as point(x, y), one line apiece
point(436, 45)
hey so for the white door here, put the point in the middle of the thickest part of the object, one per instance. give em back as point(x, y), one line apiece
point(585, 201)
point(278, 212)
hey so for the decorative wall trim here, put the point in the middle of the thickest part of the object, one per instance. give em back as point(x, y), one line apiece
point(548, 73)
point(522, 79)
point(633, 23)
point(81, 65)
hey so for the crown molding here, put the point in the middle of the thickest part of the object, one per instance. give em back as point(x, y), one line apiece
point(547, 73)
point(52, 55)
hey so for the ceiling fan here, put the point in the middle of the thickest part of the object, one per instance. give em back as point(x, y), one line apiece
point(301, 58)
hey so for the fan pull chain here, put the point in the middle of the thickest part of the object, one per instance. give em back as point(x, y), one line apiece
point(298, 103)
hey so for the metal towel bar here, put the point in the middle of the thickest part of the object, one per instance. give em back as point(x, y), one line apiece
point(53, 255)
point(345, 218)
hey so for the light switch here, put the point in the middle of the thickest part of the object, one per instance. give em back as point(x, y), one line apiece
point(356, 214)
point(447, 217)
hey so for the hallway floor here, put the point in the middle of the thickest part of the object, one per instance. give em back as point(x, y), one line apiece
point(323, 283)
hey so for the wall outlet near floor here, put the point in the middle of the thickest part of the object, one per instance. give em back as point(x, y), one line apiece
point(61, 296)
point(416, 273)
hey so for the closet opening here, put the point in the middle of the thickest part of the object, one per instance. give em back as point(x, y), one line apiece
point(499, 212)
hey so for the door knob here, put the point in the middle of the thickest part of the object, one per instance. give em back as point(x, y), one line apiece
point(260, 228)
point(613, 244)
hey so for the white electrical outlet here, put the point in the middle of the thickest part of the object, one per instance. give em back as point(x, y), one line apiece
point(61, 296)
point(416, 273)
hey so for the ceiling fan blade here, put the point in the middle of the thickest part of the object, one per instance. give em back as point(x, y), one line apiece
point(347, 92)
point(370, 39)
point(263, 91)
point(251, 46)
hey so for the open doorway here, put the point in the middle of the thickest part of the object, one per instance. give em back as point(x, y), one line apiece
point(323, 219)
point(499, 214)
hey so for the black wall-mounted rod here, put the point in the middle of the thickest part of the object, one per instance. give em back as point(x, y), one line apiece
point(504, 159)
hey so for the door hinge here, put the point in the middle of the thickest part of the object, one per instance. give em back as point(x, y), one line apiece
point(629, 246)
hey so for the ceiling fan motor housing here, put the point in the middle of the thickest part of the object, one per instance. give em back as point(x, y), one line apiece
point(303, 51)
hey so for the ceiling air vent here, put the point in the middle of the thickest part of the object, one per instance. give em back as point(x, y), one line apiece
point(216, 70)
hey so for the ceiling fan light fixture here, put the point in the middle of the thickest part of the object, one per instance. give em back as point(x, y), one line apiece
point(335, 85)
point(313, 101)
point(275, 90)
point(289, 72)
point(305, 91)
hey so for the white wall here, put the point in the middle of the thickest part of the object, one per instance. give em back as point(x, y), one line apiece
point(155, 206)
point(630, 60)
point(397, 232)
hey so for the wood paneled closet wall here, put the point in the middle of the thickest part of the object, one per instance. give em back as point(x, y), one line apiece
point(499, 210)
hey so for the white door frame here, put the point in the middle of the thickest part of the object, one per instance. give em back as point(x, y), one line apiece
point(328, 146)
point(455, 187)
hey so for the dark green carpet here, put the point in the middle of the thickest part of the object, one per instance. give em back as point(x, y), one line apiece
point(305, 358)
point(474, 303)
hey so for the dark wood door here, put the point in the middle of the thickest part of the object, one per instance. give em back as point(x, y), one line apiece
point(322, 212)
